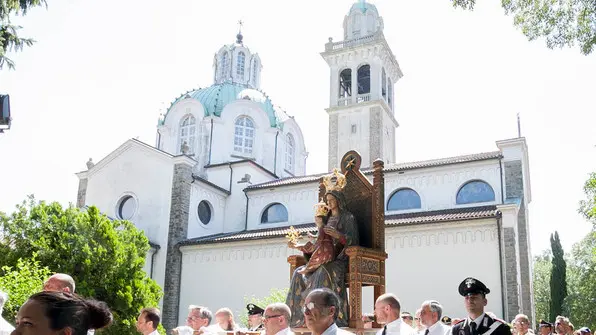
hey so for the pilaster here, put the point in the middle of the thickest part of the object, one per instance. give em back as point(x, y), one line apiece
point(82, 191)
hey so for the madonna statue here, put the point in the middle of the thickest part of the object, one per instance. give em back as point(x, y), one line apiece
point(341, 226)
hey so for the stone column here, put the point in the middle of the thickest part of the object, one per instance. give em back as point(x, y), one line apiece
point(510, 261)
point(177, 232)
point(82, 191)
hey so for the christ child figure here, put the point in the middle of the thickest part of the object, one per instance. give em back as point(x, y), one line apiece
point(322, 250)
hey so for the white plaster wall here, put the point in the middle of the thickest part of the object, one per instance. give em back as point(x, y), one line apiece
point(424, 262)
point(360, 140)
point(438, 186)
point(217, 201)
point(291, 127)
point(235, 203)
point(170, 130)
point(146, 174)
point(299, 200)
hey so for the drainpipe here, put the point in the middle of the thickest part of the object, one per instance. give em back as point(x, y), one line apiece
point(152, 264)
point(503, 288)
point(275, 155)
point(210, 141)
point(231, 174)
point(158, 139)
point(501, 175)
point(246, 214)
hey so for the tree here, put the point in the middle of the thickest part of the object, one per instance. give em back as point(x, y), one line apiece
point(9, 39)
point(275, 295)
point(541, 276)
point(558, 278)
point(20, 282)
point(105, 257)
point(582, 282)
point(562, 23)
point(588, 207)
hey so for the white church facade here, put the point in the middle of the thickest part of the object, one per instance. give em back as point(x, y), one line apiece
point(227, 180)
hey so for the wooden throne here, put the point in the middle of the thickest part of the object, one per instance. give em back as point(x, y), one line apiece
point(366, 266)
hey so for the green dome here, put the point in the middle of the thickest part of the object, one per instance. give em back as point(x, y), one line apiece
point(363, 6)
point(217, 96)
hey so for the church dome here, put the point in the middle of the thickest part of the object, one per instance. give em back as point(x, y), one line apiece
point(217, 96)
point(363, 7)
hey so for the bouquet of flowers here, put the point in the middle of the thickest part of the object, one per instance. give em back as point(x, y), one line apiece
point(293, 235)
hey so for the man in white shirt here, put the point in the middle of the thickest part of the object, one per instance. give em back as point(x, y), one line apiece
point(5, 327)
point(321, 308)
point(276, 318)
point(198, 321)
point(430, 316)
point(148, 321)
point(387, 311)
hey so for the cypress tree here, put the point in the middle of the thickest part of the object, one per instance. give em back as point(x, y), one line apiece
point(558, 278)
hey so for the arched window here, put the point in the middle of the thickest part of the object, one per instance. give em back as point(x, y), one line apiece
point(187, 134)
point(225, 66)
point(475, 191)
point(290, 150)
point(345, 83)
point(275, 213)
point(364, 79)
point(240, 65)
point(244, 133)
point(384, 84)
point(402, 199)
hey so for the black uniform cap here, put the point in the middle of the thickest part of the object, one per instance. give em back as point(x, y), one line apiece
point(254, 309)
point(446, 319)
point(472, 286)
point(545, 324)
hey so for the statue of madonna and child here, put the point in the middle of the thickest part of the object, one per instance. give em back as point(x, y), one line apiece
point(327, 262)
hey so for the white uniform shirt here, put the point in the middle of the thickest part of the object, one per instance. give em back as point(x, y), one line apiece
point(439, 328)
point(397, 327)
point(334, 330)
point(285, 331)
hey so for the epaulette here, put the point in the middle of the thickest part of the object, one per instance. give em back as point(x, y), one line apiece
point(460, 321)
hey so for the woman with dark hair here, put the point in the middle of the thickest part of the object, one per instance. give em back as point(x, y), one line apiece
point(53, 313)
point(340, 224)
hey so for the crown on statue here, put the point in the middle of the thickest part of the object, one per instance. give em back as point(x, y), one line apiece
point(321, 209)
point(335, 181)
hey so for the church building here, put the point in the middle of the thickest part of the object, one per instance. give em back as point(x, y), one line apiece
point(224, 181)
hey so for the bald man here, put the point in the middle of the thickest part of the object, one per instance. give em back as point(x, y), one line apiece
point(59, 282)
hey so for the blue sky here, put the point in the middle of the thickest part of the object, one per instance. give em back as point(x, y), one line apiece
point(102, 71)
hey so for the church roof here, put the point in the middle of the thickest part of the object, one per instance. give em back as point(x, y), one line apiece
point(215, 97)
point(388, 168)
point(446, 215)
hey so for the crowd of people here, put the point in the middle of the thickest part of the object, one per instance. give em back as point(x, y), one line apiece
point(58, 310)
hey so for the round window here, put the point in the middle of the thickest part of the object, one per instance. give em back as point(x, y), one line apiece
point(204, 212)
point(127, 207)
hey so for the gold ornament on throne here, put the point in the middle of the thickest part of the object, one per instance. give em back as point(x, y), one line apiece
point(335, 181)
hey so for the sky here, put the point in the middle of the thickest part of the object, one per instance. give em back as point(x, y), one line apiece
point(101, 72)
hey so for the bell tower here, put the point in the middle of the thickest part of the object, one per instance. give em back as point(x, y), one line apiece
point(363, 73)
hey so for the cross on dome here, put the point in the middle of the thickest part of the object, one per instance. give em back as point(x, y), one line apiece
point(239, 35)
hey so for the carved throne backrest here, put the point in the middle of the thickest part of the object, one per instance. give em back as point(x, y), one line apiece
point(364, 199)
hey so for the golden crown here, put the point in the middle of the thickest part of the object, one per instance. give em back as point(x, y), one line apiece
point(335, 181)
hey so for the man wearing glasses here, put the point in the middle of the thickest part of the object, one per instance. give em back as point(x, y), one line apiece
point(478, 322)
point(521, 324)
point(276, 318)
point(199, 318)
point(321, 308)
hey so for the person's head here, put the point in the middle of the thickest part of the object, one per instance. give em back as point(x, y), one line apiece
point(59, 282)
point(431, 312)
point(417, 320)
point(561, 325)
point(276, 317)
point(474, 293)
point(148, 320)
point(255, 315)
point(585, 331)
point(545, 327)
point(198, 316)
point(521, 323)
point(387, 308)
point(335, 200)
point(321, 308)
point(225, 318)
point(59, 313)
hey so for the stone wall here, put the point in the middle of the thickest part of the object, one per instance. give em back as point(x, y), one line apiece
point(82, 192)
point(511, 276)
point(178, 231)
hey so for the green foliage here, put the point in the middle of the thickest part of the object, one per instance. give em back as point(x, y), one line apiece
point(588, 207)
point(582, 282)
point(105, 257)
point(9, 39)
point(558, 278)
point(562, 23)
point(275, 295)
point(541, 277)
point(20, 282)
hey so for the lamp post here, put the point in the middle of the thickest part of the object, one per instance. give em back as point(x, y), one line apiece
point(5, 118)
